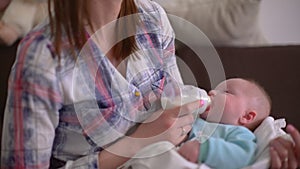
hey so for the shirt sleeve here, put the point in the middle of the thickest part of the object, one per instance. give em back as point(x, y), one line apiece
point(236, 150)
point(32, 109)
point(31, 112)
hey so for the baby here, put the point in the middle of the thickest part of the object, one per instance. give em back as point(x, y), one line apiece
point(225, 139)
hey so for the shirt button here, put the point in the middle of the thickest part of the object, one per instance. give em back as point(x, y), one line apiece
point(136, 93)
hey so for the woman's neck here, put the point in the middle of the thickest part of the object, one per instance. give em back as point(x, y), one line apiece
point(103, 11)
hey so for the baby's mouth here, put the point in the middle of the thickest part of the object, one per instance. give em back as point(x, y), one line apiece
point(205, 113)
point(207, 109)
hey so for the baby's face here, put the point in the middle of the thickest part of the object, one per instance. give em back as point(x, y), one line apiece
point(229, 101)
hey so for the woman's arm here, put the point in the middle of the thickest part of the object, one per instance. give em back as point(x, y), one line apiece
point(161, 126)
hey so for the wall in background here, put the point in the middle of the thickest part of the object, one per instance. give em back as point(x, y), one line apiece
point(280, 21)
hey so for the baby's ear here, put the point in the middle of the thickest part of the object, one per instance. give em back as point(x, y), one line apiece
point(247, 118)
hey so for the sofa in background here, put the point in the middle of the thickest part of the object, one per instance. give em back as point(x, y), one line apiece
point(277, 68)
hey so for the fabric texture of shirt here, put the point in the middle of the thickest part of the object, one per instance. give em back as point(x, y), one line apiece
point(224, 146)
point(71, 109)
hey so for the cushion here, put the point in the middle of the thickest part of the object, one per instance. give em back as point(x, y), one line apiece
point(225, 22)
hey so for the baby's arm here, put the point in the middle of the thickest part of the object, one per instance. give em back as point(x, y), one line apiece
point(235, 150)
point(190, 150)
point(220, 150)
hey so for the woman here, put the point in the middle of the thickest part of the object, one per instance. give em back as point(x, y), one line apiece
point(49, 113)
point(64, 93)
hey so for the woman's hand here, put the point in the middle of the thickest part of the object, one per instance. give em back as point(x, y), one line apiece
point(285, 154)
point(168, 125)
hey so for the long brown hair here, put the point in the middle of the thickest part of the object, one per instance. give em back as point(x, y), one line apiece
point(69, 16)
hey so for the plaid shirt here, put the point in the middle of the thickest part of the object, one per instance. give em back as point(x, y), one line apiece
point(70, 109)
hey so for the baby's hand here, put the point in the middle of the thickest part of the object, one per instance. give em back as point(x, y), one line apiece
point(190, 151)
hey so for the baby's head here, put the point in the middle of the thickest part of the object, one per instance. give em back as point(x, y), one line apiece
point(238, 102)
